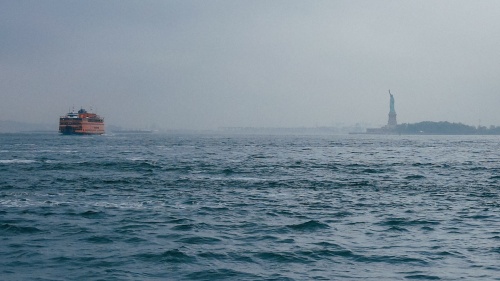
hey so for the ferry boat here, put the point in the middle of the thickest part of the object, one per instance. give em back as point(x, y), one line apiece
point(81, 123)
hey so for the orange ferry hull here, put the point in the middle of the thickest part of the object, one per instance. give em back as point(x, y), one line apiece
point(83, 123)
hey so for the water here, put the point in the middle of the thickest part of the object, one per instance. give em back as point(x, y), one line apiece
point(208, 207)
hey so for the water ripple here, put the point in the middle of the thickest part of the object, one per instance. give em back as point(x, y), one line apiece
point(220, 207)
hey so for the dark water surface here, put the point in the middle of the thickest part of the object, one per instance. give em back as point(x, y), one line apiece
point(206, 207)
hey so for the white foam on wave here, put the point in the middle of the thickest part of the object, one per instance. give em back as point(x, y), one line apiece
point(16, 161)
point(48, 202)
point(137, 159)
point(16, 203)
point(34, 202)
point(124, 205)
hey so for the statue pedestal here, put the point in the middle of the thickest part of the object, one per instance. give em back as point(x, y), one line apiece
point(392, 120)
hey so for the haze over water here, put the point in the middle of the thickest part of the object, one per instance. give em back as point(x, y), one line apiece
point(249, 207)
point(202, 65)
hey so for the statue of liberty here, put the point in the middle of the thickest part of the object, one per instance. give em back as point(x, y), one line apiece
point(392, 123)
point(392, 103)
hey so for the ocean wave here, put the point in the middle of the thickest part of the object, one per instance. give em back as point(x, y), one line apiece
point(16, 161)
point(224, 274)
point(93, 214)
point(174, 255)
point(311, 225)
point(98, 239)
point(15, 229)
point(422, 277)
point(407, 222)
point(199, 240)
point(249, 208)
point(283, 257)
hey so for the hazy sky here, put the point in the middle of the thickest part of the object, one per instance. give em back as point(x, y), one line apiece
point(208, 64)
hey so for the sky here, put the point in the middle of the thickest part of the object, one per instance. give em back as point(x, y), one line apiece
point(253, 63)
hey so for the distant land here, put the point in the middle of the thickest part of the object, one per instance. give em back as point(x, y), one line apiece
point(420, 128)
point(320, 130)
point(445, 128)
point(427, 127)
point(434, 128)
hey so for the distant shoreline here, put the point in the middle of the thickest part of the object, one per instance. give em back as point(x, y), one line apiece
point(434, 128)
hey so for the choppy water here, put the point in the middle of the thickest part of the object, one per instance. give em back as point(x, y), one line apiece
point(203, 207)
